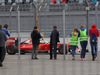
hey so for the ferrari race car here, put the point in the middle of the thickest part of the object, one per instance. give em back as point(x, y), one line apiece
point(26, 46)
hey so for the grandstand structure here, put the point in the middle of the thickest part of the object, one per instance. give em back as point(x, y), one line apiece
point(49, 15)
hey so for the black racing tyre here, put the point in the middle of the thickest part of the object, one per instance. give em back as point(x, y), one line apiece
point(61, 49)
point(22, 52)
point(11, 49)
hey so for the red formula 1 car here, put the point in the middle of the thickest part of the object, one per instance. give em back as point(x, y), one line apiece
point(26, 46)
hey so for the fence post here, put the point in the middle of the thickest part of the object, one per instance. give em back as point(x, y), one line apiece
point(87, 16)
point(35, 10)
point(39, 10)
point(18, 31)
point(10, 18)
point(96, 13)
point(64, 33)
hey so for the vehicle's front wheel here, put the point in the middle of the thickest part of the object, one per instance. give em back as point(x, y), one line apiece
point(61, 50)
point(11, 49)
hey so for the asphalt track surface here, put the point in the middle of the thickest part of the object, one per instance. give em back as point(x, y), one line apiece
point(44, 66)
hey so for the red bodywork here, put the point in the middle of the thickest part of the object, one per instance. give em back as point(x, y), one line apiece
point(27, 44)
point(10, 41)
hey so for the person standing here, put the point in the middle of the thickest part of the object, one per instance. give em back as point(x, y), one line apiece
point(3, 39)
point(35, 35)
point(5, 30)
point(54, 38)
point(83, 40)
point(94, 34)
point(74, 42)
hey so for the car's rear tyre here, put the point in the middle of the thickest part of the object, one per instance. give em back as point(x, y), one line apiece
point(22, 52)
point(11, 49)
point(61, 49)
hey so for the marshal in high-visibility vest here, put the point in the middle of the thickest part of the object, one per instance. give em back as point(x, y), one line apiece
point(83, 35)
point(74, 40)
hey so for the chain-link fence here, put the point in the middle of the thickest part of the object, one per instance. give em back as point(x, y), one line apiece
point(49, 15)
point(76, 14)
point(9, 15)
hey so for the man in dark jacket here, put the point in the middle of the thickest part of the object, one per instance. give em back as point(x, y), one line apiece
point(54, 38)
point(35, 35)
point(94, 45)
point(3, 39)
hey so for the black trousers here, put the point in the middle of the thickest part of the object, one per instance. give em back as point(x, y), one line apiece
point(55, 49)
point(2, 54)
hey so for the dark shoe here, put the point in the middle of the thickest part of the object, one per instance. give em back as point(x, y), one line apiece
point(1, 65)
point(36, 58)
point(55, 58)
point(32, 58)
point(94, 58)
point(73, 58)
point(50, 58)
